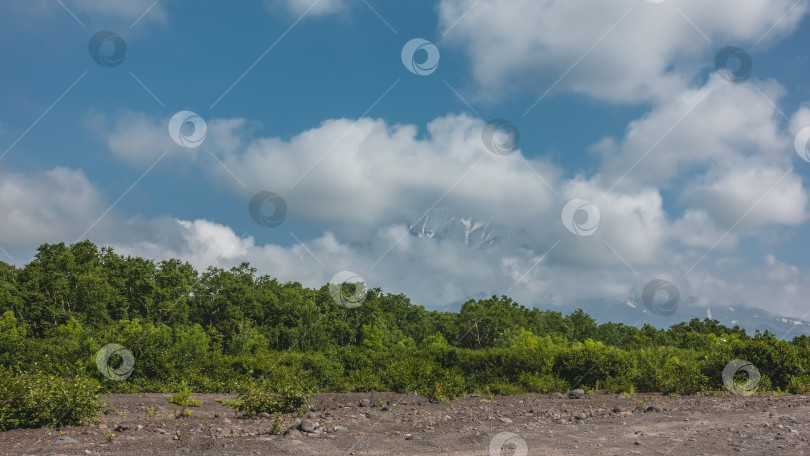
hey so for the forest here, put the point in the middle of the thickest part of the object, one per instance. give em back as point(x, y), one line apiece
point(232, 330)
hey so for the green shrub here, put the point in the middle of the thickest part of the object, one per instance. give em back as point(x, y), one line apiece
point(505, 389)
point(586, 363)
point(35, 399)
point(799, 384)
point(545, 384)
point(683, 377)
point(259, 398)
point(184, 397)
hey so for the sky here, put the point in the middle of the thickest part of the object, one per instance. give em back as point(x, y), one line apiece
point(559, 151)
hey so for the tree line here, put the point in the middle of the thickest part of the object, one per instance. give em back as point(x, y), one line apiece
point(219, 330)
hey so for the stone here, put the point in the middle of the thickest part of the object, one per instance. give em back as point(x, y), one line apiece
point(292, 433)
point(578, 393)
point(64, 440)
point(307, 426)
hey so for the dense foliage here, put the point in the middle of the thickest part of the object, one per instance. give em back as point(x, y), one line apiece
point(231, 330)
point(33, 399)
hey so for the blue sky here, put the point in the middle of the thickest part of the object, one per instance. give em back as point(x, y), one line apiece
point(384, 172)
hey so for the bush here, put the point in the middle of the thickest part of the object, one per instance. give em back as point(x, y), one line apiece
point(799, 384)
point(35, 399)
point(184, 397)
point(589, 362)
point(683, 377)
point(545, 384)
point(259, 398)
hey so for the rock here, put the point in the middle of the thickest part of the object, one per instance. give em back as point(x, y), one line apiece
point(505, 420)
point(556, 396)
point(340, 429)
point(364, 403)
point(653, 408)
point(307, 426)
point(617, 409)
point(580, 416)
point(408, 436)
point(184, 450)
point(292, 433)
point(63, 440)
point(263, 415)
point(578, 393)
point(121, 428)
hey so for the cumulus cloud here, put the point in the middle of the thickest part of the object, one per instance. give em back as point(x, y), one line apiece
point(617, 50)
point(429, 211)
point(352, 176)
point(47, 206)
point(437, 203)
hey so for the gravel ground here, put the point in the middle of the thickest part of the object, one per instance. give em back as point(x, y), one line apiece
point(395, 424)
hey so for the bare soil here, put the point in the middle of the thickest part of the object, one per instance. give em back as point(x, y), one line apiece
point(395, 424)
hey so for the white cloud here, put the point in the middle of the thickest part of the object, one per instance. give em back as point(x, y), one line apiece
point(132, 136)
point(49, 206)
point(354, 176)
point(102, 11)
point(629, 50)
point(129, 10)
point(314, 7)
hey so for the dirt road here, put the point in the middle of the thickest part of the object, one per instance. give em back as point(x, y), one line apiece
point(392, 424)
